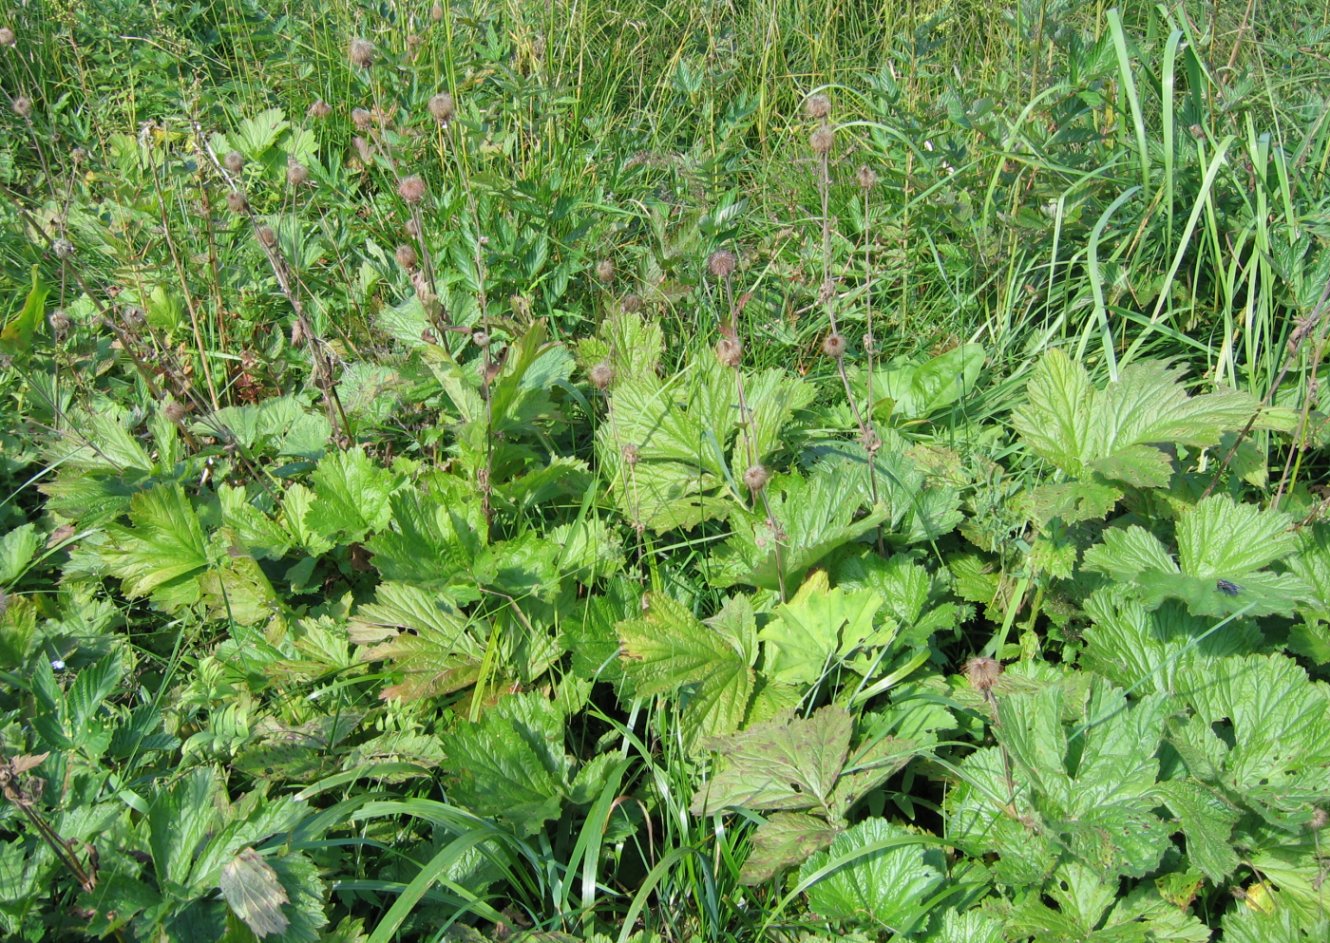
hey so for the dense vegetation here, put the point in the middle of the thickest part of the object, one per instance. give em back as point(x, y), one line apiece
point(755, 471)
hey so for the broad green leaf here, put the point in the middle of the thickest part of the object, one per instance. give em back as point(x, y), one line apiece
point(881, 875)
point(1278, 721)
point(789, 764)
point(669, 652)
point(1220, 539)
point(1207, 822)
point(505, 765)
point(253, 892)
point(351, 496)
point(421, 634)
point(783, 840)
point(16, 336)
point(179, 822)
point(809, 519)
point(17, 548)
point(1115, 432)
point(905, 391)
point(433, 539)
point(818, 627)
point(164, 551)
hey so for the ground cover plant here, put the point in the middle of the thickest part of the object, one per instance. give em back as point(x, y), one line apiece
point(664, 471)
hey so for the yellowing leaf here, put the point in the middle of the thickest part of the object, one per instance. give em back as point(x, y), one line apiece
point(253, 892)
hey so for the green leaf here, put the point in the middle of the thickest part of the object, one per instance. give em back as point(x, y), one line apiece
point(510, 765)
point(253, 892)
point(809, 519)
point(911, 391)
point(669, 652)
point(179, 821)
point(17, 548)
point(433, 540)
point(164, 552)
point(1207, 821)
point(818, 627)
point(785, 764)
point(783, 840)
point(1278, 722)
point(424, 636)
point(1220, 539)
point(880, 874)
point(1114, 432)
point(16, 337)
point(351, 496)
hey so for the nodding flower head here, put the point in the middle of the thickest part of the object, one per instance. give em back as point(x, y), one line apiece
point(23, 106)
point(822, 140)
point(833, 345)
point(866, 177)
point(234, 161)
point(412, 189)
point(729, 351)
point(817, 107)
point(296, 172)
point(756, 477)
point(236, 202)
point(7, 37)
point(320, 109)
point(406, 257)
point(441, 107)
point(722, 263)
point(361, 118)
point(982, 673)
point(601, 375)
point(361, 53)
point(605, 270)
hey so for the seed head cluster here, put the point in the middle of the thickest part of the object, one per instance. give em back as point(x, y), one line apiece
point(982, 673)
point(320, 109)
point(361, 118)
point(406, 257)
point(441, 107)
point(361, 53)
point(7, 37)
point(411, 189)
point(236, 202)
point(722, 263)
point(23, 106)
point(601, 375)
point(817, 107)
point(267, 236)
point(756, 477)
point(605, 270)
point(234, 161)
point(833, 345)
point(866, 177)
point(822, 140)
point(296, 172)
point(729, 351)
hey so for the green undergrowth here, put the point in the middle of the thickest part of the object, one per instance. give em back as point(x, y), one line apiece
point(736, 472)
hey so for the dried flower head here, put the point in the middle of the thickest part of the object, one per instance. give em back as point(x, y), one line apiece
point(866, 177)
point(412, 228)
point(631, 455)
point(436, 12)
point(236, 202)
point(59, 321)
point(833, 345)
point(267, 236)
point(297, 174)
point(601, 375)
point(7, 37)
point(406, 257)
point(320, 109)
point(63, 249)
point(729, 351)
point(756, 477)
point(361, 118)
point(441, 107)
point(631, 303)
point(412, 189)
point(234, 161)
point(982, 673)
point(605, 270)
point(1318, 820)
point(78, 155)
point(722, 262)
point(23, 106)
point(822, 140)
point(175, 411)
point(480, 338)
point(361, 53)
point(817, 107)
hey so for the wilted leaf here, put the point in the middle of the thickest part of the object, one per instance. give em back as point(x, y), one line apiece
point(253, 892)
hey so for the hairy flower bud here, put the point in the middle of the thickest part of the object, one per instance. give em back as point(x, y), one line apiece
point(817, 107)
point(234, 161)
point(441, 107)
point(412, 190)
point(722, 262)
point(361, 53)
point(982, 673)
point(833, 345)
point(866, 177)
point(822, 140)
point(267, 236)
point(601, 375)
point(236, 202)
point(729, 352)
point(319, 109)
point(756, 478)
point(296, 172)
point(406, 257)
point(605, 270)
